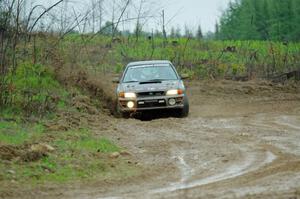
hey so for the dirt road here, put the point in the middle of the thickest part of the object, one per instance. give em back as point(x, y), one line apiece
point(241, 140)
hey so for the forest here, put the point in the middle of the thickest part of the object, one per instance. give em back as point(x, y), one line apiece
point(275, 20)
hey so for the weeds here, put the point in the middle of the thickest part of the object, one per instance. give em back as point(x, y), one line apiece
point(202, 59)
point(78, 155)
point(83, 140)
point(33, 90)
point(14, 133)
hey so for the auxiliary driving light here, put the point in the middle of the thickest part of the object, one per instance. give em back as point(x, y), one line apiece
point(172, 102)
point(130, 104)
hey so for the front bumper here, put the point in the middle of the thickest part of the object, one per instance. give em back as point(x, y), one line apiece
point(151, 103)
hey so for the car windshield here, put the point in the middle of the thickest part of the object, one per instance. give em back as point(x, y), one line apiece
point(145, 73)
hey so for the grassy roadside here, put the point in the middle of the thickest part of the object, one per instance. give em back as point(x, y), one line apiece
point(32, 155)
point(59, 146)
point(77, 154)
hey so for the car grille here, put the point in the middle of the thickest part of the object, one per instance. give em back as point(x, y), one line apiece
point(151, 103)
point(150, 94)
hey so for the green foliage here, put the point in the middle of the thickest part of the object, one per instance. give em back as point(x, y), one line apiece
point(33, 89)
point(83, 140)
point(78, 154)
point(119, 68)
point(16, 134)
point(276, 20)
point(34, 77)
point(199, 34)
point(199, 58)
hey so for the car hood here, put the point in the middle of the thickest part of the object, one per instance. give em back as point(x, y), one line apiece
point(137, 87)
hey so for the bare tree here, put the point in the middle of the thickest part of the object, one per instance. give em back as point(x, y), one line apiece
point(120, 17)
point(100, 9)
point(15, 25)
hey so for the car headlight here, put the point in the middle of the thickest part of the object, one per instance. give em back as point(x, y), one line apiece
point(127, 95)
point(130, 95)
point(175, 92)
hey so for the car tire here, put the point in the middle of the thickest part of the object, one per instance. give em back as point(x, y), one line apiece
point(126, 115)
point(122, 114)
point(184, 112)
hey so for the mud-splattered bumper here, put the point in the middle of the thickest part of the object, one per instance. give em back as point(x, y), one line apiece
point(152, 103)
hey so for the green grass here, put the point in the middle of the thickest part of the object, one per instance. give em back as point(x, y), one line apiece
point(57, 170)
point(83, 140)
point(15, 134)
point(78, 155)
point(201, 59)
point(92, 145)
point(33, 90)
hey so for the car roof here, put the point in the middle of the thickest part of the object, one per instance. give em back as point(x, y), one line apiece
point(153, 62)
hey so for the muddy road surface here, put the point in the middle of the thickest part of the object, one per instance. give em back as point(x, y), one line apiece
point(241, 140)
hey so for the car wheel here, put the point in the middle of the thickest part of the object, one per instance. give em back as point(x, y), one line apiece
point(184, 112)
point(122, 113)
point(126, 115)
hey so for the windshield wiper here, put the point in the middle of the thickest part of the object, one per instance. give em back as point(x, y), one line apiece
point(131, 81)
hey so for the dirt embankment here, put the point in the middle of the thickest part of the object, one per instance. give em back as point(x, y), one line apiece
point(98, 86)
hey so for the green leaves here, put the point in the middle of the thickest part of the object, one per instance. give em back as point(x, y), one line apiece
point(31, 88)
point(275, 20)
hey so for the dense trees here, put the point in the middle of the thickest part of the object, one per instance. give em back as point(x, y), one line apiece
point(277, 20)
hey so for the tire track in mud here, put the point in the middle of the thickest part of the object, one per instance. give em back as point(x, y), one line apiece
point(233, 171)
point(249, 164)
point(256, 159)
point(281, 130)
point(288, 121)
point(185, 169)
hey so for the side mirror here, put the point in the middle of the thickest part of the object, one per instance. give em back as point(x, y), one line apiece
point(184, 76)
point(116, 80)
